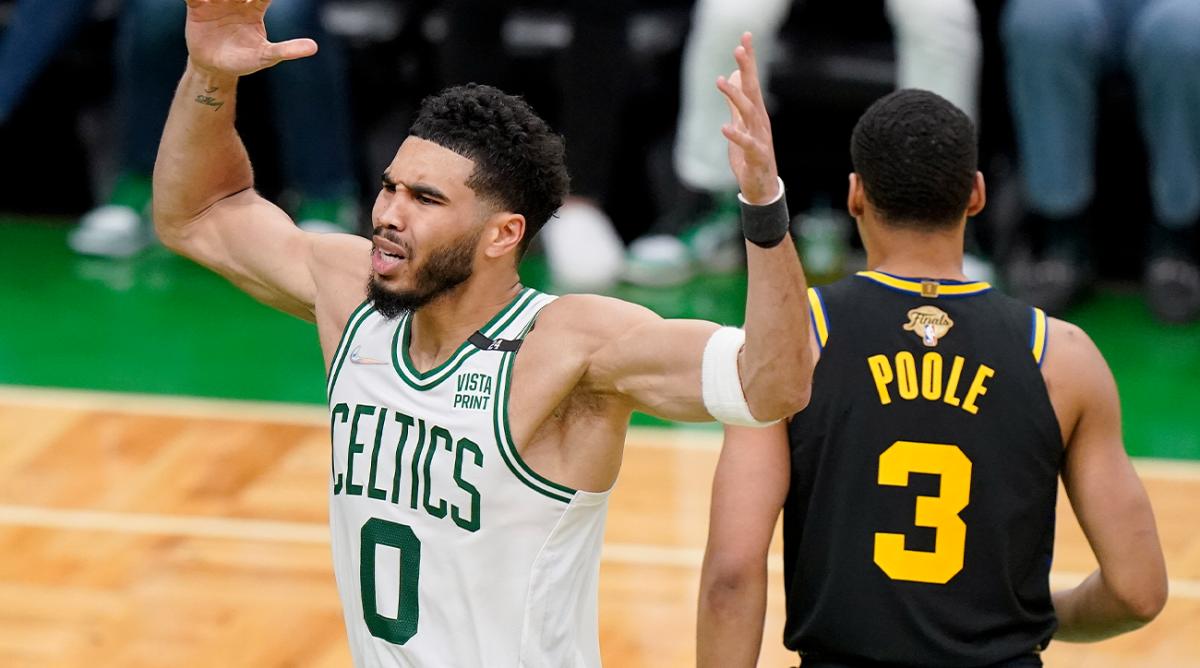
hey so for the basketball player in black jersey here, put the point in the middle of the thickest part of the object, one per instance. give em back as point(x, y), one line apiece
point(918, 487)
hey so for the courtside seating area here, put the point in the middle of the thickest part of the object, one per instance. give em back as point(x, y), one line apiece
point(835, 59)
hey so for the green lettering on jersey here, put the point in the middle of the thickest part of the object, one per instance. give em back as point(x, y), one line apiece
point(355, 448)
point(371, 490)
point(435, 434)
point(474, 382)
point(376, 532)
point(466, 445)
point(405, 421)
point(474, 391)
point(344, 410)
point(415, 482)
point(465, 513)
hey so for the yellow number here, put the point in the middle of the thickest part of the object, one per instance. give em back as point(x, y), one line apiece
point(939, 512)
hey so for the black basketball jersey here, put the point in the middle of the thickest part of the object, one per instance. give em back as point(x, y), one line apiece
point(919, 525)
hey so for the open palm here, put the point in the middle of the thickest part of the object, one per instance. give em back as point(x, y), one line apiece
point(228, 36)
point(751, 148)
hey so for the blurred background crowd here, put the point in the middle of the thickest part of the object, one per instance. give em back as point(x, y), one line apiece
point(1088, 114)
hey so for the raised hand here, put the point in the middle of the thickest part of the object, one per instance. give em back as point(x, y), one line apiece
point(751, 149)
point(228, 37)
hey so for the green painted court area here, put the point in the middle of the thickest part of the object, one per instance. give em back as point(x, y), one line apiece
point(160, 324)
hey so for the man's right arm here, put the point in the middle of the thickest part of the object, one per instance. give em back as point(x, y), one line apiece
point(1130, 586)
point(205, 206)
point(749, 488)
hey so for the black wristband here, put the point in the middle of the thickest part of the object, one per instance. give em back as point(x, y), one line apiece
point(766, 225)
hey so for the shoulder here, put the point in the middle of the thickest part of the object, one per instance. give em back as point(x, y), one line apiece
point(340, 265)
point(339, 257)
point(1077, 377)
point(612, 341)
point(1069, 349)
point(561, 350)
point(592, 318)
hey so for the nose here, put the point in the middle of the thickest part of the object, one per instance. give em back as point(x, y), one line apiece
point(389, 211)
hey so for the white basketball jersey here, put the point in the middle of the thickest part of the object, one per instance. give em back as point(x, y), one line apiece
point(448, 550)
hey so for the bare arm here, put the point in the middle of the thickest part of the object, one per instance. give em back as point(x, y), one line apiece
point(630, 354)
point(1130, 587)
point(204, 203)
point(656, 363)
point(749, 489)
point(776, 363)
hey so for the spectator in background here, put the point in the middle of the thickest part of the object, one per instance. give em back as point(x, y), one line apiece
point(311, 116)
point(937, 48)
point(1057, 52)
point(37, 30)
point(583, 250)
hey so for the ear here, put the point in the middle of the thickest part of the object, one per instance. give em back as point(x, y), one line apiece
point(504, 233)
point(856, 198)
point(978, 197)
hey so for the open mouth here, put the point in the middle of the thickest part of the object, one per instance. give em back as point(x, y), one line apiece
point(386, 255)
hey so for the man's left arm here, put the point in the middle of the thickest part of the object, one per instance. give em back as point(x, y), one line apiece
point(776, 363)
point(686, 370)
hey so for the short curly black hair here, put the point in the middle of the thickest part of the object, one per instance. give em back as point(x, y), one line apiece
point(519, 160)
point(916, 155)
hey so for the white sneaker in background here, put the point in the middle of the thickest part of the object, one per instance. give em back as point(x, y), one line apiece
point(318, 226)
point(976, 268)
point(324, 215)
point(658, 261)
point(110, 231)
point(701, 233)
point(583, 250)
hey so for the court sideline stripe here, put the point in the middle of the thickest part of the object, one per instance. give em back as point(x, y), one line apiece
point(318, 534)
point(706, 439)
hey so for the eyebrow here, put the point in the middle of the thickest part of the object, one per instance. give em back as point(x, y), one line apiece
point(416, 188)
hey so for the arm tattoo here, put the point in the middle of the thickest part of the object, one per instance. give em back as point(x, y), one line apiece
point(209, 101)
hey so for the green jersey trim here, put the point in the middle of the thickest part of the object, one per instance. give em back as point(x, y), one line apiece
point(430, 379)
point(508, 449)
point(343, 348)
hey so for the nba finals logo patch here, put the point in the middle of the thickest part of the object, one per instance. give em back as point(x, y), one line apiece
point(930, 323)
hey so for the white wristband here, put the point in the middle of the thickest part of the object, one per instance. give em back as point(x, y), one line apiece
point(778, 196)
point(721, 384)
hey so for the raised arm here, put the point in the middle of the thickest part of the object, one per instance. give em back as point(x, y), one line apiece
point(1130, 586)
point(749, 488)
point(205, 206)
point(666, 367)
point(776, 363)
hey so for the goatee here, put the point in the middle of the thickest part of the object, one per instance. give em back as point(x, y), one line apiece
point(445, 269)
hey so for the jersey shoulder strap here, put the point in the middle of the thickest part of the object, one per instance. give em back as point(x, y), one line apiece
point(509, 337)
point(1039, 334)
point(517, 324)
point(818, 317)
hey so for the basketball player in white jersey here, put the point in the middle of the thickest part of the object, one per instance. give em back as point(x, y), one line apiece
point(477, 425)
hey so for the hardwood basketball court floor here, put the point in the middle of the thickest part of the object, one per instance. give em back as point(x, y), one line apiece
point(152, 531)
point(140, 530)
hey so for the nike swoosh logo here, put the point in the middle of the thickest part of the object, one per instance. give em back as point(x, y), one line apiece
point(356, 358)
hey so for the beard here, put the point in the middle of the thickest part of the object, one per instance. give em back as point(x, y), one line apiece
point(445, 269)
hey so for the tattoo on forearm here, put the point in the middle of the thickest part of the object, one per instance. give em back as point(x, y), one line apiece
point(209, 101)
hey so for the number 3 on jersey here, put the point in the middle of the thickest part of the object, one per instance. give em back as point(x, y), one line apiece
point(939, 512)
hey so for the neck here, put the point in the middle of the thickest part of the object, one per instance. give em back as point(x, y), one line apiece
point(441, 326)
point(916, 253)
